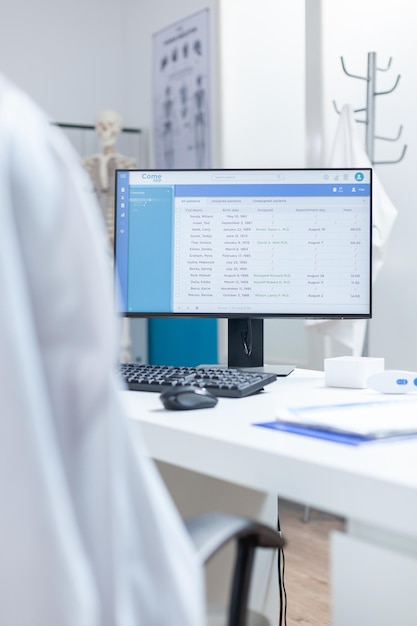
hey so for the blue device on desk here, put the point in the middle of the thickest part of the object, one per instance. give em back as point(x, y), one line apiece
point(393, 381)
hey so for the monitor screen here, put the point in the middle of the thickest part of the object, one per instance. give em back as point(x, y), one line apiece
point(244, 244)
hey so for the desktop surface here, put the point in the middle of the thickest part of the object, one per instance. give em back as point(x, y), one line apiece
point(216, 458)
point(373, 483)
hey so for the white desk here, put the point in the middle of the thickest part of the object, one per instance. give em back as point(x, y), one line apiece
point(374, 486)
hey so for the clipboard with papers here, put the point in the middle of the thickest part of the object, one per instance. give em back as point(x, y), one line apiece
point(351, 423)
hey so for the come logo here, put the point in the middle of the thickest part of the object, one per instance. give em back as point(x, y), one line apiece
point(155, 177)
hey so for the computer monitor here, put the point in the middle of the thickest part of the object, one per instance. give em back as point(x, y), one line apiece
point(244, 244)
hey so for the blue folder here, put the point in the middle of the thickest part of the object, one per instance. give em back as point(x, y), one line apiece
point(351, 440)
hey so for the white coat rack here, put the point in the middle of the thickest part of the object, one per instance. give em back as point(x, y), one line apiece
point(369, 109)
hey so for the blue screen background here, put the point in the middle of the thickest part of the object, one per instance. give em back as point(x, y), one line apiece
point(150, 249)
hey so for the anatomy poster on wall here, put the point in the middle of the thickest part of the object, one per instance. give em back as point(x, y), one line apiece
point(182, 94)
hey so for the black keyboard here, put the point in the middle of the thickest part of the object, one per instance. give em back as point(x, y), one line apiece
point(224, 382)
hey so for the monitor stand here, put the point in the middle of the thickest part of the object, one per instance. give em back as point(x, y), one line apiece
point(246, 346)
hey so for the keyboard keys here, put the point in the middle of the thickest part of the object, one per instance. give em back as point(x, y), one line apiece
point(227, 382)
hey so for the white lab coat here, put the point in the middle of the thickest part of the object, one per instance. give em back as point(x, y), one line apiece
point(88, 534)
point(348, 151)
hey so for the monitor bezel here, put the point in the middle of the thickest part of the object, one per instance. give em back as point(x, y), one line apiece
point(252, 315)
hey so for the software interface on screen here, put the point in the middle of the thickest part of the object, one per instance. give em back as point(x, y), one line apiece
point(244, 243)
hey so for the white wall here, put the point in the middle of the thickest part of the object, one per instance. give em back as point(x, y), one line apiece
point(262, 87)
point(257, 71)
point(258, 97)
point(262, 47)
point(352, 28)
point(76, 59)
point(145, 18)
point(68, 56)
point(72, 58)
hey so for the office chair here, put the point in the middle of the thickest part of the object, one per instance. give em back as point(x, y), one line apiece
point(209, 533)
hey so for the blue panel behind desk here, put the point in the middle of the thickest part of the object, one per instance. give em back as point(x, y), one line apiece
point(187, 342)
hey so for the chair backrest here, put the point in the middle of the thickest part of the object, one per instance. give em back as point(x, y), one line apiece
point(209, 533)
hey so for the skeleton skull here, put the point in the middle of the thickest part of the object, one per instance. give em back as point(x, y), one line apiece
point(108, 126)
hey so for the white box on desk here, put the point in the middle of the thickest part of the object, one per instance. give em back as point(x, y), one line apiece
point(350, 371)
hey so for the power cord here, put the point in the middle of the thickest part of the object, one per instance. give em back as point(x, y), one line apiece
point(247, 338)
point(281, 582)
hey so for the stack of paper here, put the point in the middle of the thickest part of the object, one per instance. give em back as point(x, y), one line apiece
point(351, 423)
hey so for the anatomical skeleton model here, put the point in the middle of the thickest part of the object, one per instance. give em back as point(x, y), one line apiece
point(101, 168)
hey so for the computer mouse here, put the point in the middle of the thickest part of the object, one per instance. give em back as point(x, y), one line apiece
point(187, 398)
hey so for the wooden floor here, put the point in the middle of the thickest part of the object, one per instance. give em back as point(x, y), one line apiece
point(306, 554)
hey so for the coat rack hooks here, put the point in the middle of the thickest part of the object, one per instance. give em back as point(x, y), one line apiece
point(369, 109)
